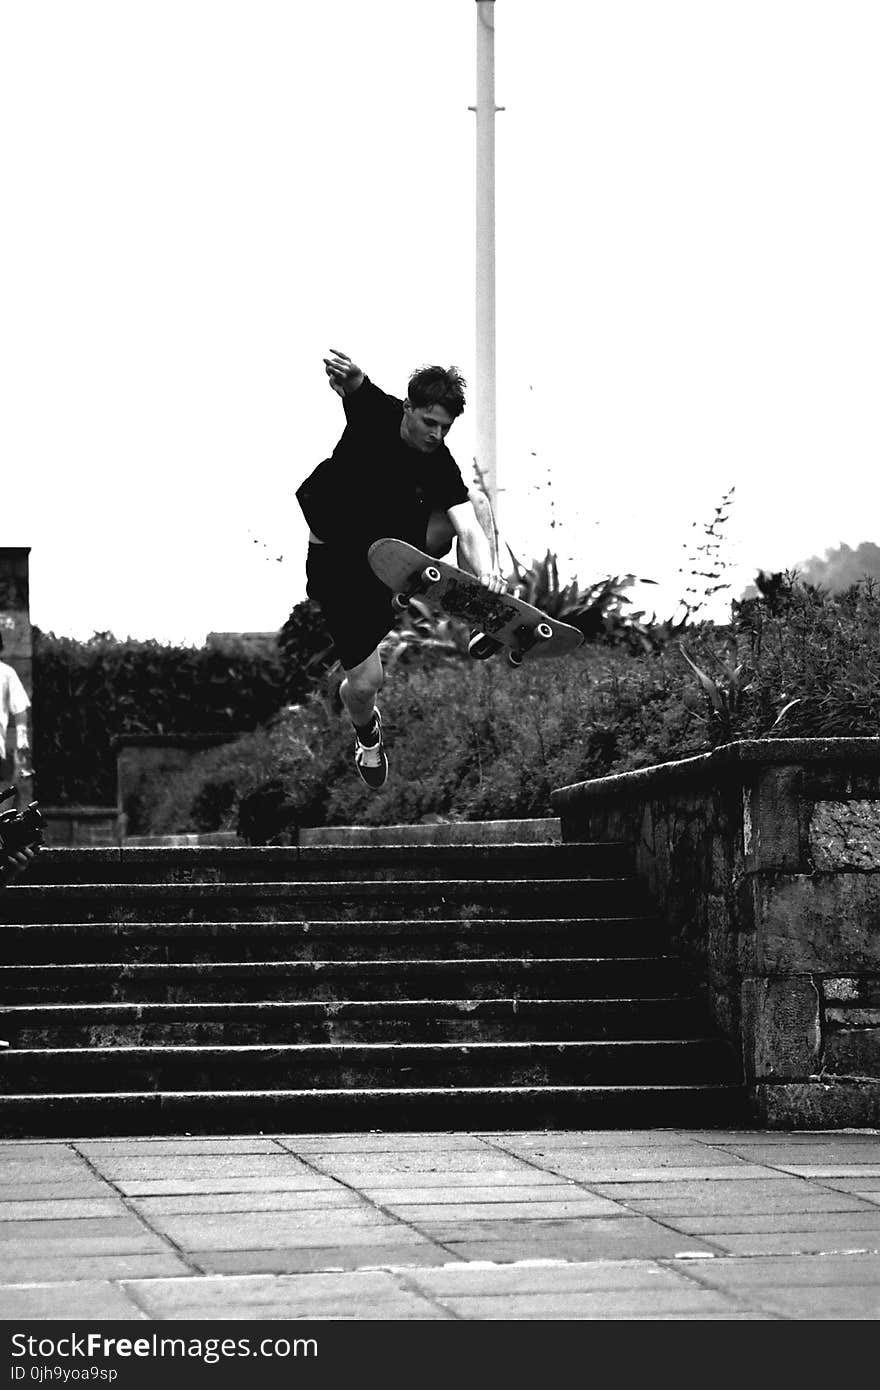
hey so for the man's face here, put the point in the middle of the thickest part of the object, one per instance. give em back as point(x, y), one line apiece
point(424, 427)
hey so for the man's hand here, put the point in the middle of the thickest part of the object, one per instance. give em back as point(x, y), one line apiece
point(14, 864)
point(494, 581)
point(21, 762)
point(345, 376)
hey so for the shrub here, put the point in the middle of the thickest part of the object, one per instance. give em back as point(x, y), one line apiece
point(475, 740)
point(813, 660)
point(87, 693)
point(467, 741)
point(305, 650)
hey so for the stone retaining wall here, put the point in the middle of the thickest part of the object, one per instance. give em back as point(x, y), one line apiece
point(142, 760)
point(764, 856)
point(77, 827)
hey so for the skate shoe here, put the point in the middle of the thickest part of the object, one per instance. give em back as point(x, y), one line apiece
point(370, 759)
point(481, 647)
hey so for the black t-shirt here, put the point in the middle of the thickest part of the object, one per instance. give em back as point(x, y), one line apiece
point(374, 484)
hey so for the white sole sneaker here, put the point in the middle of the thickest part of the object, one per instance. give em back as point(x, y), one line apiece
point(371, 760)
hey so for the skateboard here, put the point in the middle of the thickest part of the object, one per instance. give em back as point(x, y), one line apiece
point(506, 621)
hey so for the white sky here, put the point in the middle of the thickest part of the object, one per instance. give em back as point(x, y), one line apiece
point(199, 197)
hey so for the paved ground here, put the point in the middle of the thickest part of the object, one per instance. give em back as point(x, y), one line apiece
point(653, 1224)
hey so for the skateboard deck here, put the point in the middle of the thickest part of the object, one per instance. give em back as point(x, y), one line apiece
point(509, 622)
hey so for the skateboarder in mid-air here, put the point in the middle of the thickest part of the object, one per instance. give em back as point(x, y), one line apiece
point(391, 474)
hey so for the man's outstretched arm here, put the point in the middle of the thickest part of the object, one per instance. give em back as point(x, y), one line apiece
point(475, 545)
point(345, 376)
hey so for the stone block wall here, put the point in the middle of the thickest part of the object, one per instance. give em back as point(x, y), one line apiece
point(764, 856)
point(77, 827)
point(142, 760)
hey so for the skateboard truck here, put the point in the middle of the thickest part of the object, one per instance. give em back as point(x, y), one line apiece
point(526, 639)
point(420, 584)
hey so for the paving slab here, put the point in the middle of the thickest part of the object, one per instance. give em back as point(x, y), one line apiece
point(840, 1241)
point(255, 1230)
point(871, 1195)
point(382, 1142)
point(62, 1169)
point(344, 1255)
point(535, 1193)
point(828, 1303)
point(128, 1168)
point(303, 1183)
point(211, 1202)
point(493, 1210)
point(791, 1271)
point(774, 1194)
point(65, 1266)
point(376, 1183)
point(775, 1154)
point(785, 1137)
point(647, 1303)
point(703, 1317)
point(583, 1156)
point(544, 1276)
point(364, 1294)
point(836, 1170)
point(622, 1238)
point(590, 1171)
point(466, 1162)
point(747, 1223)
point(70, 1246)
point(595, 1138)
point(68, 1301)
point(56, 1208)
point(190, 1144)
point(87, 1185)
point(120, 1225)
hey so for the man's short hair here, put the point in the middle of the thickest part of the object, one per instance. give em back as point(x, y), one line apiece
point(438, 386)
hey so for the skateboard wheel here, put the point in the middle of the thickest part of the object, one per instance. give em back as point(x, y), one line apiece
point(514, 659)
point(399, 603)
point(543, 632)
point(431, 575)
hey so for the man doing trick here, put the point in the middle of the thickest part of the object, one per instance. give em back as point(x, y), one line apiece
point(389, 472)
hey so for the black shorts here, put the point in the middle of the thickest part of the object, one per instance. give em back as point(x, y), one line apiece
point(355, 604)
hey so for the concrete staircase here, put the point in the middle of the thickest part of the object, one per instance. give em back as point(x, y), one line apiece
point(348, 986)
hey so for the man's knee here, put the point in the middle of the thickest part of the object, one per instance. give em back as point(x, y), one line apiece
point(365, 681)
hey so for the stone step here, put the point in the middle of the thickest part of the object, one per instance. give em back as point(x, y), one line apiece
point(330, 980)
point(335, 1110)
point(372, 1020)
point(214, 864)
point(318, 1065)
point(539, 830)
point(355, 899)
point(43, 943)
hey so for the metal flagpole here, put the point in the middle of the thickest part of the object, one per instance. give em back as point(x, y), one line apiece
point(485, 249)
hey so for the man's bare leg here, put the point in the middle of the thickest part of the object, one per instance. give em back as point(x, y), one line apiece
point(359, 689)
point(358, 693)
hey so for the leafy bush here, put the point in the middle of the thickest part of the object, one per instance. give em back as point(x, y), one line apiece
point(812, 660)
point(305, 649)
point(467, 741)
point(475, 740)
point(87, 693)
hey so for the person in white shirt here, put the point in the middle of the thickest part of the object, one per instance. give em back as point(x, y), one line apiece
point(14, 705)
